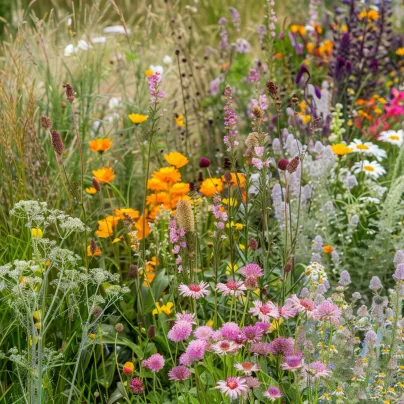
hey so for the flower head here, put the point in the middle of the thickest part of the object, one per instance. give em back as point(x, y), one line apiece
point(371, 168)
point(176, 159)
point(211, 186)
point(100, 145)
point(232, 288)
point(128, 368)
point(247, 367)
point(392, 137)
point(315, 370)
point(155, 363)
point(136, 386)
point(179, 373)
point(181, 331)
point(138, 118)
point(253, 270)
point(341, 149)
point(196, 291)
point(272, 393)
point(104, 174)
point(233, 387)
point(328, 311)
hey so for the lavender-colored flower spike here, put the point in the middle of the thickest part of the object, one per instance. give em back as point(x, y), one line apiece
point(399, 274)
point(375, 284)
point(303, 70)
point(398, 258)
point(345, 278)
point(371, 338)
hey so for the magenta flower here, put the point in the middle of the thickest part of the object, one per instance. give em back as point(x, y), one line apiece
point(264, 311)
point(282, 346)
point(185, 360)
point(136, 386)
point(316, 370)
point(179, 373)
point(272, 393)
point(233, 387)
point(155, 363)
point(230, 331)
point(260, 348)
point(328, 311)
point(292, 363)
point(232, 288)
point(196, 349)
point(181, 331)
point(189, 317)
point(252, 333)
point(253, 270)
point(196, 291)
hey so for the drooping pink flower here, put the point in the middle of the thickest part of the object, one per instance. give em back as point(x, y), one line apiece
point(292, 363)
point(230, 331)
point(155, 363)
point(233, 387)
point(181, 331)
point(203, 332)
point(247, 367)
point(225, 347)
point(272, 393)
point(252, 270)
point(264, 311)
point(232, 288)
point(196, 349)
point(328, 311)
point(196, 291)
point(316, 370)
point(136, 386)
point(179, 373)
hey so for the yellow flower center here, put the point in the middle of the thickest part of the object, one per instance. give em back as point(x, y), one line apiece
point(362, 147)
point(369, 168)
point(394, 137)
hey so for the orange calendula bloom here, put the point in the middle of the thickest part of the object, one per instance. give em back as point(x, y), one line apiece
point(341, 149)
point(328, 249)
point(100, 145)
point(168, 175)
point(121, 213)
point(180, 188)
point(105, 226)
point(235, 180)
point(96, 252)
point(155, 184)
point(91, 190)
point(148, 72)
point(104, 174)
point(176, 159)
point(138, 118)
point(139, 227)
point(158, 199)
point(179, 120)
point(210, 186)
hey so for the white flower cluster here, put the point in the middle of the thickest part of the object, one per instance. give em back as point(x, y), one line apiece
point(336, 127)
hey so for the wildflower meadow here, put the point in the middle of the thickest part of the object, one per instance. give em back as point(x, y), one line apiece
point(202, 201)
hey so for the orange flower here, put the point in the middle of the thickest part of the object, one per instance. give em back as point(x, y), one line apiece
point(128, 368)
point(134, 214)
point(328, 249)
point(158, 199)
point(180, 188)
point(210, 186)
point(150, 277)
point(106, 225)
point(104, 174)
point(139, 227)
point(168, 175)
point(176, 159)
point(91, 190)
point(100, 145)
point(154, 212)
point(233, 181)
point(179, 120)
point(96, 252)
point(154, 184)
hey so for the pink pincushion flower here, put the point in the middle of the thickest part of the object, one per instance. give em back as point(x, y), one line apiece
point(181, 331)
point(225, 347)
point(272, 393)
point(155, 363)
point(136, 386)
point(185, 360)
point(316, 370)
point(203, 332)
point(233, 387)
point(232, 288)
point(196, 349)
point(230, 331)
point(252, 333)
point(179, 373)
point(260, 348)
point(247, 367)
point(196, 291)
point(253, 270)
point(264, 311)
point(282, 346)
point(328, 311)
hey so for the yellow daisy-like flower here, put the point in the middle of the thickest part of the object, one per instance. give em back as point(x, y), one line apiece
point(36, 233)
point(104, 174)
point(163, 309)
point(179, 120)
point(138, 118)
point(100, 145)
point(340, 149)
point(400, 52)
point(210, 186)
point(168, 175)
point(124, 212)
point(91, 190)
point(176, 159)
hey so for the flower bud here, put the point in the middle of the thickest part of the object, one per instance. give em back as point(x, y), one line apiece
point(119, 328)
point(204, 162)
point(283, 164)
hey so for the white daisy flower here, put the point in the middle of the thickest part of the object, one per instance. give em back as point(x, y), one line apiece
point(392, 136)
point(371, 168)
point(369, 148)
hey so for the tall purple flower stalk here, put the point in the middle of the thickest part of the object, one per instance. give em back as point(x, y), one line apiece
point(230, 121)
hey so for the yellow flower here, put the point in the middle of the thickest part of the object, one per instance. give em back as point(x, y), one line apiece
point(91, 190)
point(176, 159)
point(371, 15)
point(36, 233)
point(230, 202)
point(180, 189)
point(209, 323)
point(210, 186)
point(138, 118)
point(37, 315)
point(38, 325)
point(400, 52)
point(231, 268)
point(242, 247)
point(104, 174)
point(341, 149)
point(165, 308)
point(327, 249)
point(92, 335)
point(96, 252)
point(123, 213)
point(179, 120)
point(306, 119)
point(275, 324)
point(116, 240)
point(235, 180)
point(106, 225)
point(100, 145)
point(168, 175)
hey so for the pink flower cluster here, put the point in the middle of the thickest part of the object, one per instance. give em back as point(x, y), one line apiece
point(154, 81)
point(230, 121)
point(155, 363)
point(177, 238)
point(220, 215)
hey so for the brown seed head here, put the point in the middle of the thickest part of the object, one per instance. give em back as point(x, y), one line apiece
point(253, 244)
point(151, 332)
point(57, 142)
point(293, 164)
point(257, 112)
point(227, 176)
point(96, 185)
point(69, 92)
point(272, 88)
point(133, 271)
point(93, 246)
point(46, 122)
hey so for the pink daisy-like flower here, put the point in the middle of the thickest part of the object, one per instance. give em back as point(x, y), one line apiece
point(203, 332)
point(155, 363)
point(247, 367)
point(232, 288)
point(272, 393)
point(196, 291)
point(224, 347)
point(181, 331)
point(252, 270)
point(230, 331)
point(316, 370)
point(292, 363)
point(196, 349)
point(179, 373)
point(328, 311)
point(264, 311)
point(252, 382)
point(189, 317)
point(252, 333)
point(233, 387)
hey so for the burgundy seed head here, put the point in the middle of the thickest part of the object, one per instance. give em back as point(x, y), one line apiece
point(283, 164)
point(204, 162)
